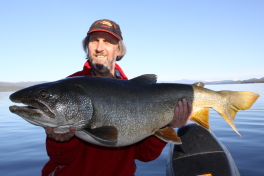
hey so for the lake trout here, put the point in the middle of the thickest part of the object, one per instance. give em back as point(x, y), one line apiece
point(114, 112)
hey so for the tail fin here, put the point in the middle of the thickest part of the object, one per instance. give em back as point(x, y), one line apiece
point(235, 101)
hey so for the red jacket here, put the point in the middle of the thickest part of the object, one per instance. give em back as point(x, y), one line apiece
point(77, 157)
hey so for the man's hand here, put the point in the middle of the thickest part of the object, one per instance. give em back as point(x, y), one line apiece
point(59, 137)
point(182, 114)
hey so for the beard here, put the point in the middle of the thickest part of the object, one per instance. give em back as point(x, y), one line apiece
point(102, 68)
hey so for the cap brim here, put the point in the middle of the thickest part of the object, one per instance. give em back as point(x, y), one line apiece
point(119, 38)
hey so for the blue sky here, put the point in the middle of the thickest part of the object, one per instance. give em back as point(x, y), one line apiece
point(174, 39)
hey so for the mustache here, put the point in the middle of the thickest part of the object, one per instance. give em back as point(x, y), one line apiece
point(100, 54)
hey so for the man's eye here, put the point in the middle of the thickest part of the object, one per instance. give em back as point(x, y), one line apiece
point(109, 41)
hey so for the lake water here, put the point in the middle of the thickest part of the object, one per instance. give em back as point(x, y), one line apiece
point(22, 146)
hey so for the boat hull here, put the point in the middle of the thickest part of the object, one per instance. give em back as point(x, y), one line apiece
point(200, 154)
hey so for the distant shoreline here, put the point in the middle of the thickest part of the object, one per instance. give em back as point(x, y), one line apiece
point(236, 82)
point(10, 88)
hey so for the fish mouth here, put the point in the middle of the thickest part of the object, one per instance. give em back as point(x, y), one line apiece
point(36, 110)
point(31, 115)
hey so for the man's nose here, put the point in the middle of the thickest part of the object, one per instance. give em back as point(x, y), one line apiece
point(100, 46)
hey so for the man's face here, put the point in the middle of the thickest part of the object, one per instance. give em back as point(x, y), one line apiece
point(103, 50)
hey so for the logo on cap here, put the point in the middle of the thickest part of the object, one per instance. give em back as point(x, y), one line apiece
point(106, 23)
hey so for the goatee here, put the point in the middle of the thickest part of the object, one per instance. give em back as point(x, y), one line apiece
point(100, 68)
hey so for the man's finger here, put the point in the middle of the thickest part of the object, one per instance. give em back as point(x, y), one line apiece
point(48, 130)
point(190, 107)
point(180, 109)
point(176, 112)
point(185, 107)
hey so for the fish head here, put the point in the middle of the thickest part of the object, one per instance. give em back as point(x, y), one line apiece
point(53, 104)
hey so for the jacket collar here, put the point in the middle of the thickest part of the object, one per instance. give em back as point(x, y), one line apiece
point(87, 70)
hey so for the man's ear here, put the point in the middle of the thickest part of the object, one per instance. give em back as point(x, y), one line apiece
point(118, 54)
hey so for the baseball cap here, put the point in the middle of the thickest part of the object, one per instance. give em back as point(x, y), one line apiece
point(106, 26)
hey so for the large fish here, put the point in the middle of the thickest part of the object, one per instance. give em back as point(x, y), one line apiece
point(112, 112)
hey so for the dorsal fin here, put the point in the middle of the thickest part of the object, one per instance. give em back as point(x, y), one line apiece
point(199, 84)
point(147, 79)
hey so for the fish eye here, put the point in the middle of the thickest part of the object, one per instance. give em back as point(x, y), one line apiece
point(43, 94)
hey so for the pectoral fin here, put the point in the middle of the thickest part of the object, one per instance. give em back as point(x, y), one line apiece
point(168, 135)
point(105, 134)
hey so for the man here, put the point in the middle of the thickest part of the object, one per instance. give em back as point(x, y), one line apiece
point(72, 156)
